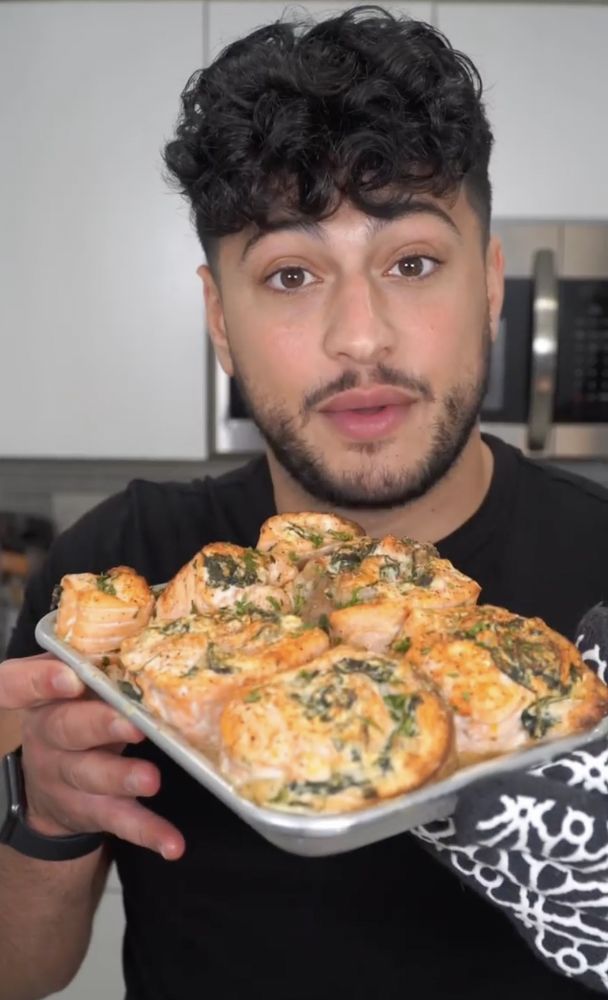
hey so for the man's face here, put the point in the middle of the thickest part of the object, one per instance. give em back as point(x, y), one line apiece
point(360, 345)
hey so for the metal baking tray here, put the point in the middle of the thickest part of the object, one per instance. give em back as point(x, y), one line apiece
point(310, 836)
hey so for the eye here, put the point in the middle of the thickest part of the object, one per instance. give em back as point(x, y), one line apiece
point(416, 266)
point(288, 279)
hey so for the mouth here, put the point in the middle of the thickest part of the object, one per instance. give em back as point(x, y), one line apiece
point(368, 414)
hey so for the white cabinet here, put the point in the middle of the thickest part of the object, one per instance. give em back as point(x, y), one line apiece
point(101, 322)
point(545, 76)
point(229, 19)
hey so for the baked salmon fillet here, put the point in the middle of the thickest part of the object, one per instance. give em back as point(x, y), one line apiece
point(294, 538)
point(387, 569)
point(184, 677)
point(511, 681)
point(347, 730)
point(97, 612)
point(220, 576)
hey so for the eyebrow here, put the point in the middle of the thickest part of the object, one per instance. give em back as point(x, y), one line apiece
point(375, 223)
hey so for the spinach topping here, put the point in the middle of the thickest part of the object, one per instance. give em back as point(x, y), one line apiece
point(335, 784)
point(130, 690)
point(422, 574)
point(537, 719)
point(340, 536)
point(323, 622)
point(177, 627)
point(224, 571)
point(104, 583)
point(390, 570)
point(524, 662)
point(348, 559)
point(402, 708)
point(377, 670)
point(215, 662)
point(319, 704)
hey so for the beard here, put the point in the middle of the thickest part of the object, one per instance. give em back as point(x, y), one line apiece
point(373, 487)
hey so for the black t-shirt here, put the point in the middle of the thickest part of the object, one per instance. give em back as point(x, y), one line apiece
point(237, 918)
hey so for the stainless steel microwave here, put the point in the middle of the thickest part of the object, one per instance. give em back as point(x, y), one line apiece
point(548, 386)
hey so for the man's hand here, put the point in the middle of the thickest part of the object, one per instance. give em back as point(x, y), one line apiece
point(535, 843)
point(75, 778)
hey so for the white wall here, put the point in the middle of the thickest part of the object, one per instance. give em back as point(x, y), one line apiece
point(101, 320)
point(545, 74)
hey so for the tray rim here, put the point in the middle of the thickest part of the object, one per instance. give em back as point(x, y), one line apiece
point(298, 825)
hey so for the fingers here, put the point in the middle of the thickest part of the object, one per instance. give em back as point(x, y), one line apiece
point(34, 680)
point(99, 772)
point(122, 817)
point(82, 725)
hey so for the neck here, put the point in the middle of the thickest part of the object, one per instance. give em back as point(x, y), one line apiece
point(445, 507)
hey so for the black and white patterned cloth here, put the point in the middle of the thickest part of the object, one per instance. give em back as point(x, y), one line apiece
point(535, 843)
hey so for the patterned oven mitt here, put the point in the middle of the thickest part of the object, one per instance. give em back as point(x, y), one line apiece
point(535, 843)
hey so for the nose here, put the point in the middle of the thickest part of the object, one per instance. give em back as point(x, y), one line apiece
point(358, 327)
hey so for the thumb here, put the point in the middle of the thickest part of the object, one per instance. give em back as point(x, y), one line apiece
point(33, 680)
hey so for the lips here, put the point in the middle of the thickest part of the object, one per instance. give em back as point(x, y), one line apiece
point(368, 414)
point(367, 399)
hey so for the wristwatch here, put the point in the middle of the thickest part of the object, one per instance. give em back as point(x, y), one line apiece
point(15, 832)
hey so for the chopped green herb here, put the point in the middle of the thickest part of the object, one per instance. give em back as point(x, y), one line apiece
point(307, 675)
point(340, 536)
point(402, 645)
point(402, 708)
point(299, 603)
point(224, 571)
point(308, 536)
point(274, 604)
point(104, 583)
point(252, 696)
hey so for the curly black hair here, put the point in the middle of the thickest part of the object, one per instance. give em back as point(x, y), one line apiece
point(296, 116)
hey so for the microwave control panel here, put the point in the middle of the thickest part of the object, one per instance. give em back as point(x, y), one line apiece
point(582, 370)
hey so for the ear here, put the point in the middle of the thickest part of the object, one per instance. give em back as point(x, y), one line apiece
point(495, 282)
point(216, 324)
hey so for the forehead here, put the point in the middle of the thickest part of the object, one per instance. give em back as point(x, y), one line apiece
point(451, 216)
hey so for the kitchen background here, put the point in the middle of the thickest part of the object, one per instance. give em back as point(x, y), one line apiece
point(104, 372)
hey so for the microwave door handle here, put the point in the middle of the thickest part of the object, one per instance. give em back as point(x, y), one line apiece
point(544, 350)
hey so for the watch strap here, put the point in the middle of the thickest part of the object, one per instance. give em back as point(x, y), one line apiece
point(26, 840)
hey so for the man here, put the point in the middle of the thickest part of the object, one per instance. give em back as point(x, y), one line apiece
point(338, 177)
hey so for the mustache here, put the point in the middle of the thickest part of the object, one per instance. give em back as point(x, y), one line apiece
point(381, 375)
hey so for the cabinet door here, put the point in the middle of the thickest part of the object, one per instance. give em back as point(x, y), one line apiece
point(101, 318)
point(545, 76)
point(230, 19)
